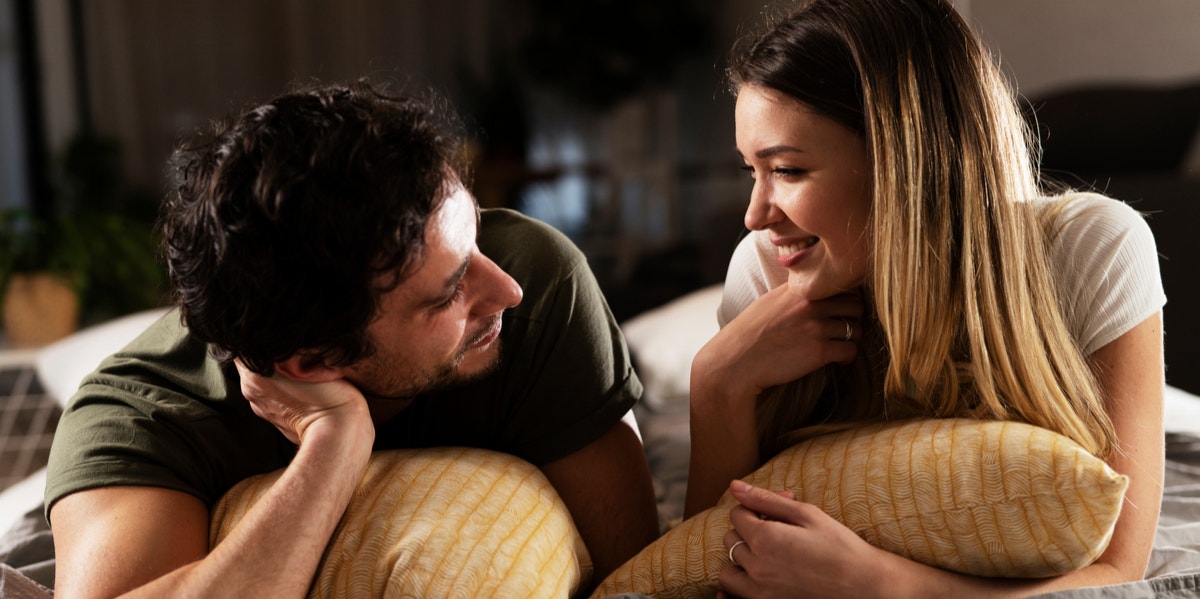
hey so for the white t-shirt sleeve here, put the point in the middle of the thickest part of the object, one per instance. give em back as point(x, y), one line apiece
point(753, 272)
point(1108, 264)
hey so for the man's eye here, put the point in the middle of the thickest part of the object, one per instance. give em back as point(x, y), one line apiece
point(454, 297)
point(749, 170)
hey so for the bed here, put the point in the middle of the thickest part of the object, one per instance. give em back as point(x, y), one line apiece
point(662, 341)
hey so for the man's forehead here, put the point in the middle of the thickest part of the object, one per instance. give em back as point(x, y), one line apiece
point(459, 208)
point(450, 236)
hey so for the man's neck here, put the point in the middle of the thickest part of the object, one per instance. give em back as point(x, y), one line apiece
point(383, 410)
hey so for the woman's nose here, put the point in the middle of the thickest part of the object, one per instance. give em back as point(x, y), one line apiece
point(761, 212)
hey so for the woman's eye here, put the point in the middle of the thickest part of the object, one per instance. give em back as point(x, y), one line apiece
point(784, 172)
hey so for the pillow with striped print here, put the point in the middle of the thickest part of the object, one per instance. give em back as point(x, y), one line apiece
point(988, 498)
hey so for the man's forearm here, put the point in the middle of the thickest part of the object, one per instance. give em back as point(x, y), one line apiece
point(274, 551)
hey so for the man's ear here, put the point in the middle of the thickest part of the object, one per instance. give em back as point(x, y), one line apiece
point(307, 368)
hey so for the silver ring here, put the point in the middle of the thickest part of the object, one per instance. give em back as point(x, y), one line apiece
point(849, 330)
point(731, 548)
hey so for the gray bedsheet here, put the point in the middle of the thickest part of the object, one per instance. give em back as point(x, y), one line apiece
point(1174, 569)
point(27, 558)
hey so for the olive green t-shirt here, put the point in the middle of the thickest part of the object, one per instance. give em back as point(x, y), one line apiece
point(163, 412)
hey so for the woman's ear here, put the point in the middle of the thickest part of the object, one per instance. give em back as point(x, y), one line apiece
point(307, 368)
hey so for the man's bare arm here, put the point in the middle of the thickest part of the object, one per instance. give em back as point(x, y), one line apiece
point(153, 542)
point(606, 486)
point(110, 540)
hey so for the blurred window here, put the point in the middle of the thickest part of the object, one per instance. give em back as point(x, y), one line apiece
point(13, 185)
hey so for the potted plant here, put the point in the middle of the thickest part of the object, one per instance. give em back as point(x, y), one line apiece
point(89, 257)
point(41, 276)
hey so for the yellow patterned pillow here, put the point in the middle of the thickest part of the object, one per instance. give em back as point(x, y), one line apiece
point(980, 497)
point(444, 522)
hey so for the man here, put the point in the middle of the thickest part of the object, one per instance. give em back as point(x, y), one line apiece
point(339, 291)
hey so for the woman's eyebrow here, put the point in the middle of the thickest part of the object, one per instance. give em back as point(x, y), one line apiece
point(775, 150)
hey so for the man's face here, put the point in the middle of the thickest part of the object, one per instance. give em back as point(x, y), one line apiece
point(440, 326)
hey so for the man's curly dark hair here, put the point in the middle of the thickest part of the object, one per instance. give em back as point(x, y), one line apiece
point(281, 229)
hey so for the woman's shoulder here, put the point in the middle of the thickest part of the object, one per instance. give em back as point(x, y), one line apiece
point(1087, 228)
point(1086, 212)
point(1107, 264)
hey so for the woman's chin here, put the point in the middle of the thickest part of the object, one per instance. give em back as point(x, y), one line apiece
point(807, 287)
point(818, 288)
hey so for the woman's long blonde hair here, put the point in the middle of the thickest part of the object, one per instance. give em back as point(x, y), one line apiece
point(965, 318)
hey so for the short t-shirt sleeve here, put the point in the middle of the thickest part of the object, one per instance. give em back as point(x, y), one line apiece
point(1109, 272)
point(160, 413)
point(570, 378)
point(752, 273)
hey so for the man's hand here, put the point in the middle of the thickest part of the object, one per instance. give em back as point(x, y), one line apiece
point(294, 406)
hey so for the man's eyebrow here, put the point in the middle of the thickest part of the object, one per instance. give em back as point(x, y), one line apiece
point(451, 283)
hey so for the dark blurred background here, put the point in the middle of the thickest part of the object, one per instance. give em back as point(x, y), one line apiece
point(606, 118)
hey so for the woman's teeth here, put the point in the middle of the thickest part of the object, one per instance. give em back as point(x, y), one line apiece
point(788, 250)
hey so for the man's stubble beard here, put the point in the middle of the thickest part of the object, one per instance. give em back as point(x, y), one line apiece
point(443, 379)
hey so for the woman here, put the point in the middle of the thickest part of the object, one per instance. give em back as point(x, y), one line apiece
point(903, 263)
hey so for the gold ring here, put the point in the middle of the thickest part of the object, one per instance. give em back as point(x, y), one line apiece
point(731, 548)
point(849, 329)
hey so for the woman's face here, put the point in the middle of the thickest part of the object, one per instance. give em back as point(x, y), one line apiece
point(811, 190)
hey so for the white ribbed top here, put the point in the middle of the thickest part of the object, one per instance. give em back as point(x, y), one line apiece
point(1105, 255)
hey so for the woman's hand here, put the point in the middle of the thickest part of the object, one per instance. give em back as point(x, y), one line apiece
point(293, 407)
point(782, 337)
point(785, 548)
point(777, 339)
